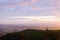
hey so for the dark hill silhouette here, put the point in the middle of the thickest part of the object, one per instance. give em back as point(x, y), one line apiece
point(32, 34)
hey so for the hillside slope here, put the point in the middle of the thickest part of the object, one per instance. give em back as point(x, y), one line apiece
point(31, 34)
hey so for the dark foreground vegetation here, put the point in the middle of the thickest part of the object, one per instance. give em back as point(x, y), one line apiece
point(32, 34)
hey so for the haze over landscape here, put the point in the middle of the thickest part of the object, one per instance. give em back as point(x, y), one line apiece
point(29, 19)
point(43, 13)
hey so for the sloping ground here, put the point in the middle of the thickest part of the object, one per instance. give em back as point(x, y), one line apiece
point(31, 34)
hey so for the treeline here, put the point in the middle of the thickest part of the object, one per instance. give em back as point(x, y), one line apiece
point(32, 34)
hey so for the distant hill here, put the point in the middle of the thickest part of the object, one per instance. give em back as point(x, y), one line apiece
point(32, 34)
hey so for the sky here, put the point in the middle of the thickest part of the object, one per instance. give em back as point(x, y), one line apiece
point(30, 12)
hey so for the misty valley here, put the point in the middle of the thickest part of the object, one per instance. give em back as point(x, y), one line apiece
point(22, 32)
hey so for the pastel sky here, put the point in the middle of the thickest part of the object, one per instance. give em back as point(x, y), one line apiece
point(29, 11)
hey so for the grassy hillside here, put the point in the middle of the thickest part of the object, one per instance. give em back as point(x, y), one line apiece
point(32, 34)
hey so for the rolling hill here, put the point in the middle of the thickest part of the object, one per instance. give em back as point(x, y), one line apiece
point(32, 34)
